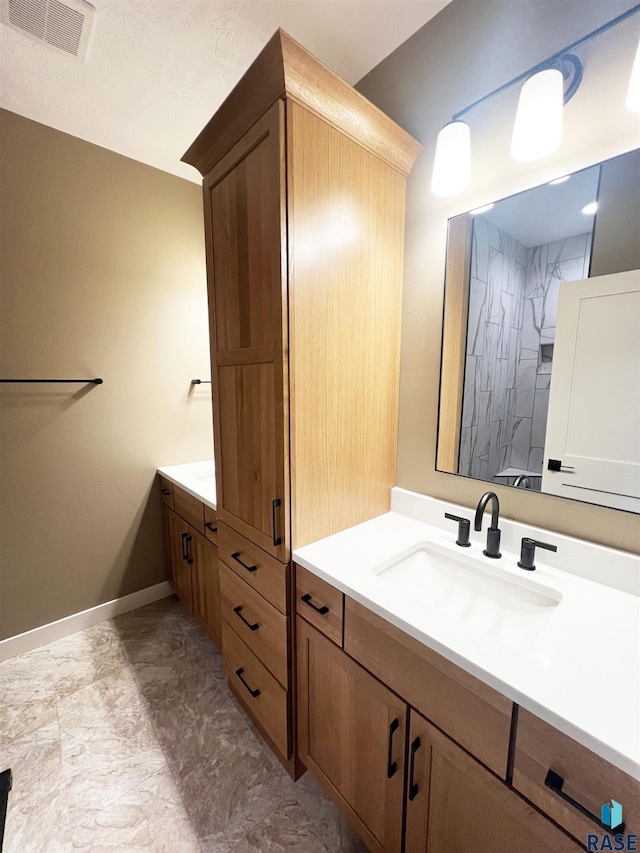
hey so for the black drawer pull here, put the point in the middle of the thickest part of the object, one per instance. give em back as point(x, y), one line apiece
point(413, 786)
point(236, 557)
point(321, 610)
point(165, 491)
point(185, 555)
point(555, 782)
point(251, 627)
point(189, 558)
point(210, 527)
point(277, 540)
point(391, 765)
point(255, 692)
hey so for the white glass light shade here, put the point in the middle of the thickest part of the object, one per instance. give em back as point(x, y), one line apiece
point(633, 95)
point(452, 165)
point(538, 127)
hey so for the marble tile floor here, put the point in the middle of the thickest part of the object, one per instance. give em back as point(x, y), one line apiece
point(124, 737)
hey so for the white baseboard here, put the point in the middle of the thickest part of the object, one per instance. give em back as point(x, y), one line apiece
point(21, 643)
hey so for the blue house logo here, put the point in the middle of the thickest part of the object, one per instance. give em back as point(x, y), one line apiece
point(611, 814)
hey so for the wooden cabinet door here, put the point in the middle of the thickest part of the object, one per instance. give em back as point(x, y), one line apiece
point(351, 735)
point(455, 804)
point(206, 585)
point(245, 226)
point(178, 548)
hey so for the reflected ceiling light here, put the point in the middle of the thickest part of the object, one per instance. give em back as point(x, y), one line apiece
point(538, 127)
point(633, 95)
point(452, 164)
point(559, 180)
point(482, 209)
point(590, 208)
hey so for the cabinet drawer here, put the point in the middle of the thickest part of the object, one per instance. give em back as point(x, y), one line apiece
point(166, 492)
point(189, 508)
point(470, 712)
point(587, 778)
point(320, 604)
point(258, 623)
point(260, 570)
point(257, 688)
point(210, 524)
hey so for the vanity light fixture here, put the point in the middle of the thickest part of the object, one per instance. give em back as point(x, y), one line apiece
point(452, 165)
point(633, 95)
point(538, 127)
point(590, 209)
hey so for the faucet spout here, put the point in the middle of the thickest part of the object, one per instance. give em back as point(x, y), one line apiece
point(482, 505)
point(493, 533)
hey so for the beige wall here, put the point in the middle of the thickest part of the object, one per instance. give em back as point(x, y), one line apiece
point(102, 274)
point(466, 51)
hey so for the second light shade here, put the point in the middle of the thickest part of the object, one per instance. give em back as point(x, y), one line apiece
point(538, 126)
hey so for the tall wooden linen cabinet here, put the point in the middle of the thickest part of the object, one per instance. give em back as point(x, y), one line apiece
point(304, 192)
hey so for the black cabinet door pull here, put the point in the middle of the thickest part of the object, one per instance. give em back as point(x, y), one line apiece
point(255, 692)
point(321, 610)
point(413, 786)
point(189, 558)
point(236, 557)
point(210, 527)
point(165, 491)
point(554, 781)
point(391, 765)
point(238, 611)
point(185, 555)
point(277, 540)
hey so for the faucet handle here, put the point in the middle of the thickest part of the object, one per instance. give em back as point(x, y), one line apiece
point(528, 552)
point(464, 526)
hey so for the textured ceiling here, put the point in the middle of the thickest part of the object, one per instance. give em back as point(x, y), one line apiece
point(158, 69)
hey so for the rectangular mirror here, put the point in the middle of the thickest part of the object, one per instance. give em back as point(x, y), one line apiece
point(540, 375)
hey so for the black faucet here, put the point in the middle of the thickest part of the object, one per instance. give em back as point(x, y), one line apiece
point(493, 533)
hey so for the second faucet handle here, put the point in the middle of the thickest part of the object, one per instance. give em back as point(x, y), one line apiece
point(464, 526)
point(528, 552)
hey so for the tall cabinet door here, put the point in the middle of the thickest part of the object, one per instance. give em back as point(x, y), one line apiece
point(455, 804)
point(245, 222)
point(351, 735)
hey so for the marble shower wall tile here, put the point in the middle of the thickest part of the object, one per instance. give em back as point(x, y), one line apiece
point(496, 302)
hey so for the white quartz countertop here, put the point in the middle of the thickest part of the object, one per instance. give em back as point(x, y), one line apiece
point(581, 673)
point(196, 478)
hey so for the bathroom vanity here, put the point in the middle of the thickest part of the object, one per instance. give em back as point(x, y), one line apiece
point(446, 694)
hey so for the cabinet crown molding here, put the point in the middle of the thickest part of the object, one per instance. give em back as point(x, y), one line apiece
point(284, 69)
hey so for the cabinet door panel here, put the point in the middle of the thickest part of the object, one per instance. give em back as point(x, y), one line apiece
point(456, 804)
point(206, 584)
point(351, 735)
point(250, 475)
point(180, 554)
point(244, 201)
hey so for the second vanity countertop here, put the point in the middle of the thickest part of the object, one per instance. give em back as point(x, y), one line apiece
point(196, 478)
point(581, 674)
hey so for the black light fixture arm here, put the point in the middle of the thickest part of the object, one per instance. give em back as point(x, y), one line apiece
point(558, 60)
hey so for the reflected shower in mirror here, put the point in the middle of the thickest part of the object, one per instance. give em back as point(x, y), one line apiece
point(540, 384)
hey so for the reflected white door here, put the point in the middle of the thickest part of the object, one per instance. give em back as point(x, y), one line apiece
point(593, 425)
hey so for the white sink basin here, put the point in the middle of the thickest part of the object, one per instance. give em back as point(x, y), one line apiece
point(512, 610)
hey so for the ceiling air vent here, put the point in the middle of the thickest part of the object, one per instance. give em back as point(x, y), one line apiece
point(63, 24)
